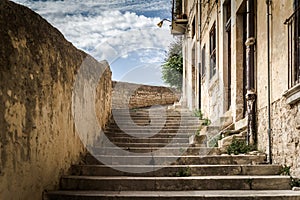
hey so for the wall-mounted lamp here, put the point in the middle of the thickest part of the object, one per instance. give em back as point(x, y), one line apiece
point(162, 21)
point(177, 27)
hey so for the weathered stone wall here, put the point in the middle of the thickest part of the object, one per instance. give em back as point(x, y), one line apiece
point(281, 10)
point(285, 118)
point(130, 95)
point(285, 135)
point(212, 89)
point(37, 132)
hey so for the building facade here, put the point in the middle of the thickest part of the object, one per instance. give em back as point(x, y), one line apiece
point(242, 61)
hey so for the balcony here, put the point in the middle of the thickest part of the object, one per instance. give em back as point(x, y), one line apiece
point(179, 19)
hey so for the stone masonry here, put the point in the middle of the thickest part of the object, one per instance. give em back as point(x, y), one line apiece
point(130, 95)
point(285, 134)
point(38, 68)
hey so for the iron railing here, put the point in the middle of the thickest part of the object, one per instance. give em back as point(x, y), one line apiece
point(293, 48)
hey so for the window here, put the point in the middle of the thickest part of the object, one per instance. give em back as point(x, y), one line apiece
point(228, 11)
point(228, 37)
point(212, 51)
point(203, 69)
point(297, 42)
point(193, 28)
point(294, 45)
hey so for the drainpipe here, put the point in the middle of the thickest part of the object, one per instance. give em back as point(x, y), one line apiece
point(199, 51)
point(251, 93)
point(268, 2)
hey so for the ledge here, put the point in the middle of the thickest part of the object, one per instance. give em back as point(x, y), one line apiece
point(292, 95)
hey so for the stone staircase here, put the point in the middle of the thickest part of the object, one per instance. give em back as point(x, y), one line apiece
point(147, 154)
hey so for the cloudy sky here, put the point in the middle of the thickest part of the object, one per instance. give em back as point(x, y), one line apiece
point(124, 32)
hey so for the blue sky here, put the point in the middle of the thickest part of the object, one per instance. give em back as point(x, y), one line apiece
point(123, 32)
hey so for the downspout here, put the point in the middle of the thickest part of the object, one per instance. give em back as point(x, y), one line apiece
point(268, 2)
point(251, 93)
point(199, 51)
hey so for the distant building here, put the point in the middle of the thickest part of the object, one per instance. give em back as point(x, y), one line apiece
point(228, 47)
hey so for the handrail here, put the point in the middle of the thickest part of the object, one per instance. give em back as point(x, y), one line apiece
point(287, 21)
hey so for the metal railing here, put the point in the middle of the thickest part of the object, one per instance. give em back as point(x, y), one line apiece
point(293, 48)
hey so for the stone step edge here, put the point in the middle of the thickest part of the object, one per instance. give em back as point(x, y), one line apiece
point(143, 183)
point(186, 156)
point(173, 170)
point(177, 166)
point(147, 178)
point(182, 194)
point(169, 148)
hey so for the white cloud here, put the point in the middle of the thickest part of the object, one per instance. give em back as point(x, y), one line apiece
point(110, 29)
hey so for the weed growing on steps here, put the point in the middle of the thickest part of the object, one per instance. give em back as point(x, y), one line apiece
point(286, 171)
point(198, 113)
point(184, 172)
point(198, 132)
point(239, 147)
point(295, 182)
point(181, 150)
point(250, 183)
point(213, 142)
point(206, 122)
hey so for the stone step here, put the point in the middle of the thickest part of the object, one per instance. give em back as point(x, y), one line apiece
point(158, 151)
point(153, 131)
point(145, 135)
point(157, 119)
point(152, 145)
point(145, 128)
point(143, 112)
point(175, 170)
point(183, 160)
point(147, 112)
point(148, 140)
point(153, 124)
point(175, 195)
point(126, 183)
point(153, 116)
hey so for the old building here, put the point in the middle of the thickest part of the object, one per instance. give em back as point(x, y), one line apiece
point(241, 54)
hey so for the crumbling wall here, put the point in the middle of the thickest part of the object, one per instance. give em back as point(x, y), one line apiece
point(130, 95)
point(38, 138)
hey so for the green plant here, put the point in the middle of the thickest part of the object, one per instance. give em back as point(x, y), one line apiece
point(133, 109)
point(198, 113)
point(295, 182)
point(181, 150)
point(184, 172)
point(213, 142)
point(239, 147)
point(249, 182)
point(206, 122)
point(198, 132)
point(285, 170)
point(172, 68)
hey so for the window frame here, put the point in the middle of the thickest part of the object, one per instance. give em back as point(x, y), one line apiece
point(292, 95)
point(212, 51)
point(203, 60)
